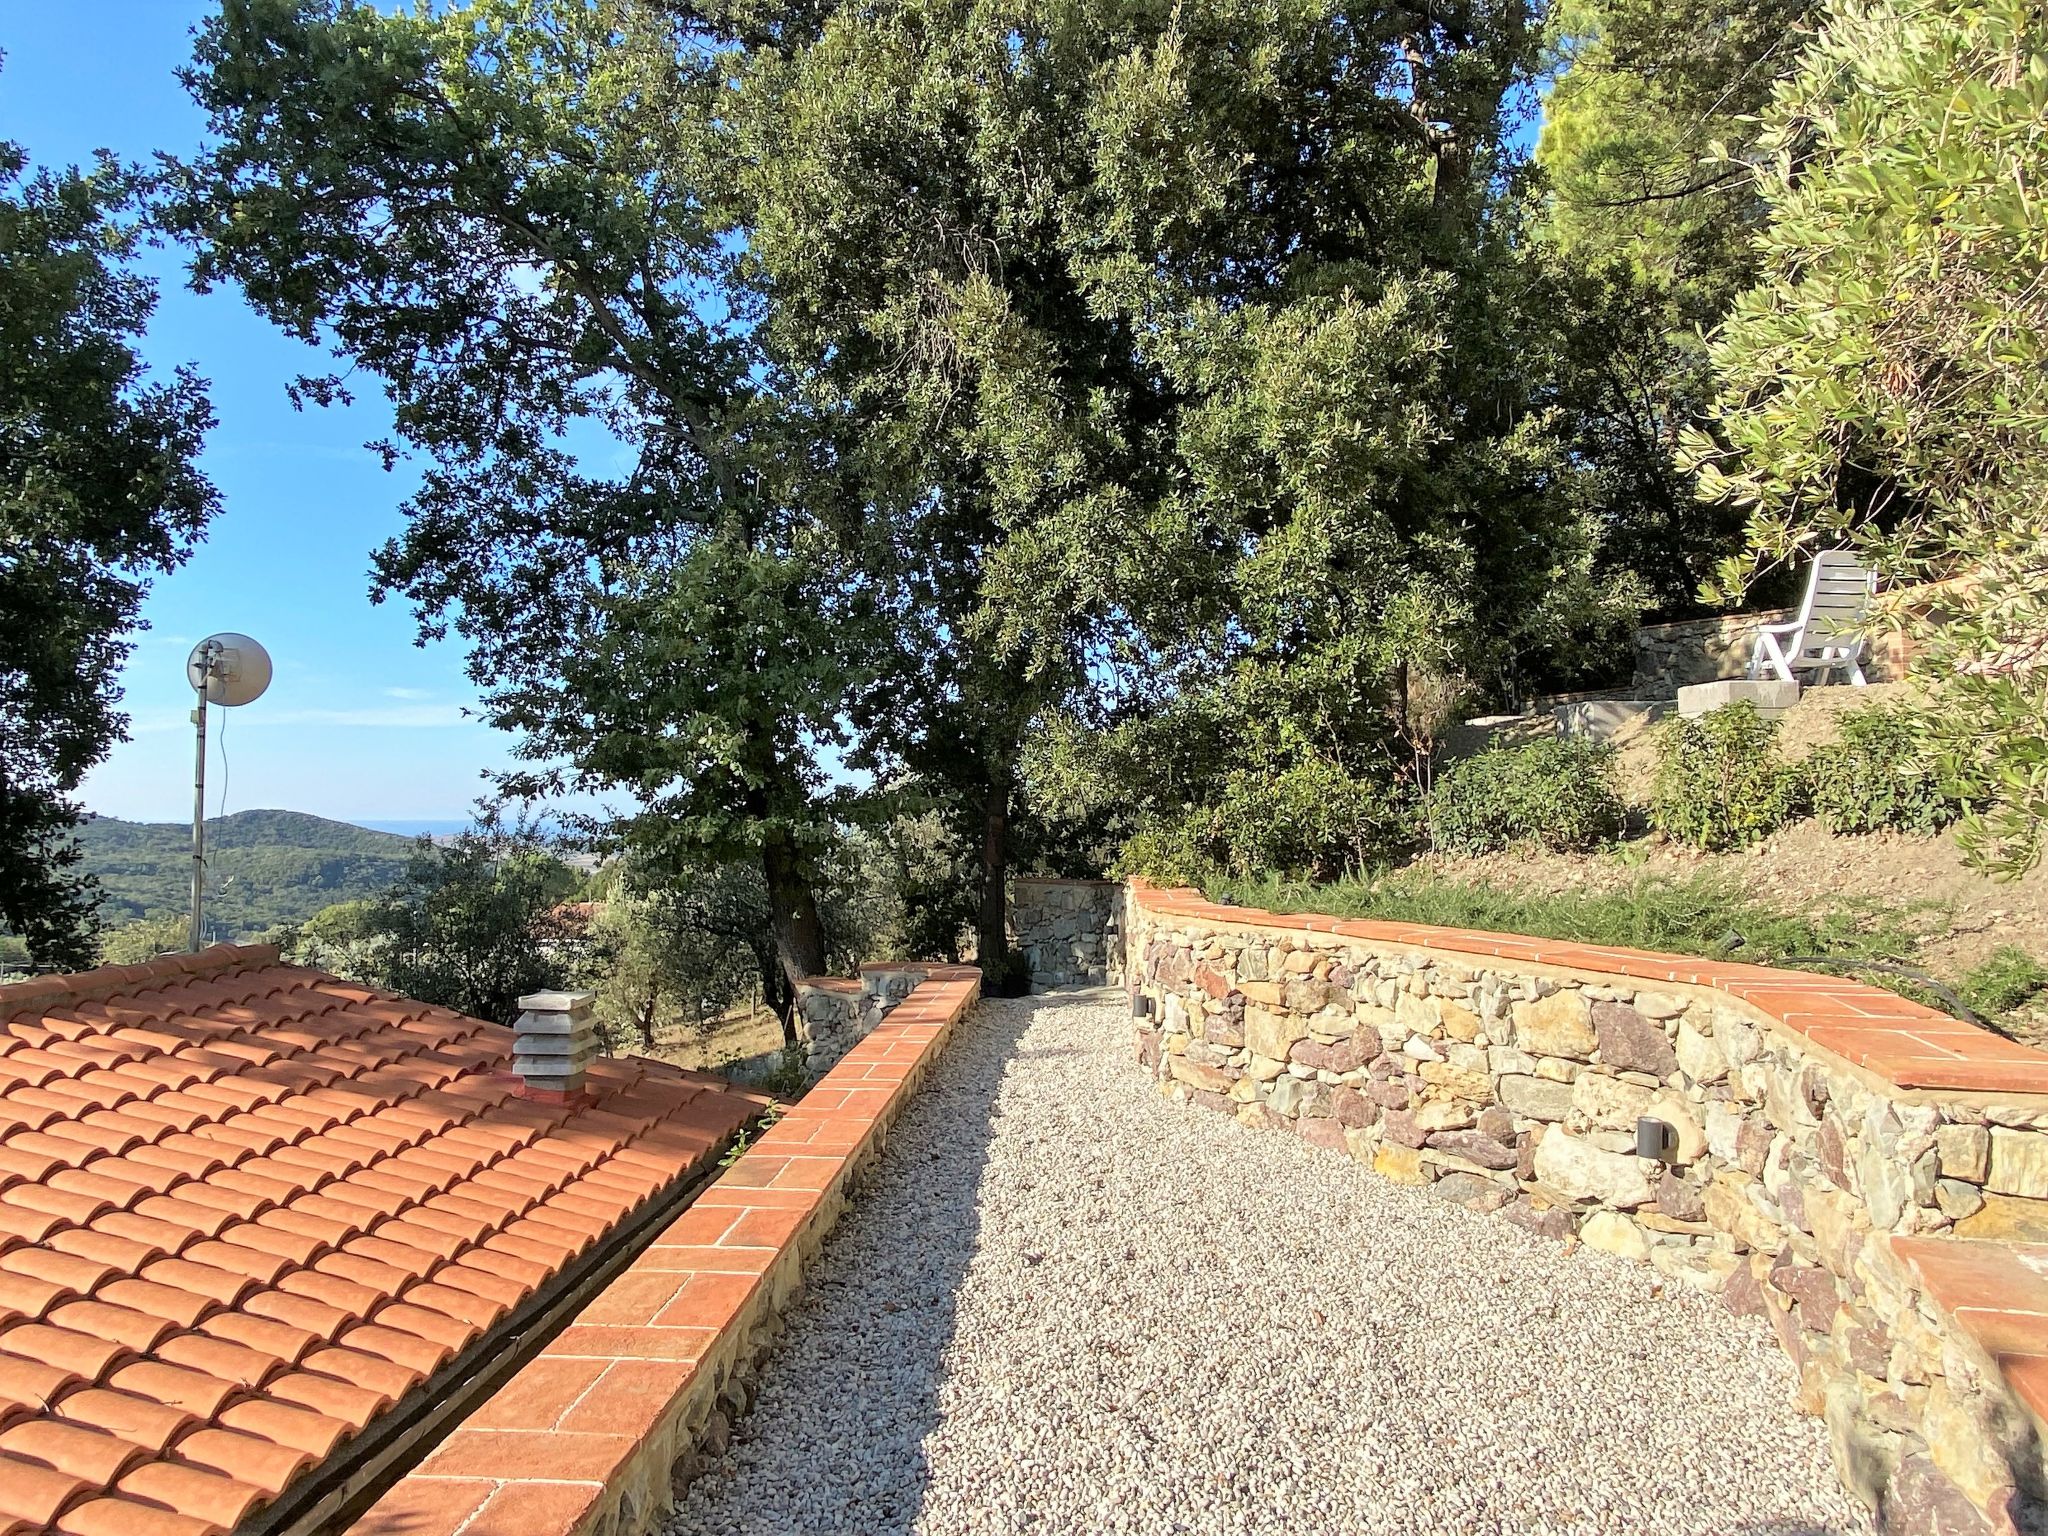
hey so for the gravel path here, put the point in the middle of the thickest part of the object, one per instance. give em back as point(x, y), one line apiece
point(1062, 1304)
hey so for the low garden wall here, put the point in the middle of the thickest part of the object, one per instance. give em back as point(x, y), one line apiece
point(1674, 656)
point(593, 1435)
point(1068, 931)
point(1852, 1167)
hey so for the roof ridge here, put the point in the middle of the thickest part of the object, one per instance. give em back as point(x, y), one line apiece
point(43, 992)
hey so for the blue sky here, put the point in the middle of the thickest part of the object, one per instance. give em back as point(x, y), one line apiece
point(359, 723)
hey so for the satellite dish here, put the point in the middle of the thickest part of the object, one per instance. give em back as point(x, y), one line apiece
point(229, 669)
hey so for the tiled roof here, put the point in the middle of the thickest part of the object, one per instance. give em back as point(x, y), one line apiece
point(246, 1209)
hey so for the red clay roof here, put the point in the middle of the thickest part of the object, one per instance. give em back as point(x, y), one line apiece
point(247, 1208)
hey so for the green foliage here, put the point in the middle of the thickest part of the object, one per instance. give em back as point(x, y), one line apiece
point(1720, 781)
point(1557, 792)
point(1311, 820)
point(1880, 772)
point(1650, 104)
point(1691, 916)
point(471, 925)
point(98, 492)
point(264, 868)
point(2006, 980)
point(1885, 385)
point(143, 939)
point(509, 214)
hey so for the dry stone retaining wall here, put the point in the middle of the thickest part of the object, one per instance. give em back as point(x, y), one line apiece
point(1516, 1087)
point(1069, 931)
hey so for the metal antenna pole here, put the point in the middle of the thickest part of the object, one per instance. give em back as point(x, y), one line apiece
point(192, 936)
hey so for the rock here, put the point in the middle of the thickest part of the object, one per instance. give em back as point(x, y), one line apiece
point(1744, 1293)
point(1195, 1075)
point(1866, 1457)
point(1580, 1171)
point(1631, 1043)
point(1391, 1094)
point(1558, 1025)
point(1443, 1115)
point(1608, 1101)
point(1273, 1034)
point(1956, 1199)
point(1459, 1022)
point(1963, 1446)
point(1476, 1147)
point(1965, 1152)
point(1812, 1288)
point(1753, 1144)
point(1322, 1132)
point(1417, 1048)
point(1472, 1191)
point(1264, 1069)
point(2018, 1164)
point(1724, 1129)
point(1213, 982)
point(1887, 1188)
point(1548, 1221)
point(1344, 1056)
point(1702, 1269)
point(1678, 1199)
point(1535, 1097)
point(1729, 1208)
point(1460, 1083)
point(1675, 1112)
point(1398, 1126)
point(1698, 1057)
point(1919, 1501)
point(1834, 1232)
point(1352, 1108)
point(1614, 1233)
point(1832, 1147)
point(2007, 1219)
point(1497, 1121)
point(1287, 1095)
point(1402, 1165)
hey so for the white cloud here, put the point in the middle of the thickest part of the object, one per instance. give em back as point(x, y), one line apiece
point(408, 693)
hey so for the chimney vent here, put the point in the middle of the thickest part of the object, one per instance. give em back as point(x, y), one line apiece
point(553, 1041)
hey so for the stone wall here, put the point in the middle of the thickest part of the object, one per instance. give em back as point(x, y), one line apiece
point(835, 1013)
point(1069, 931)
point(1674, 656)
point(1515, 1087)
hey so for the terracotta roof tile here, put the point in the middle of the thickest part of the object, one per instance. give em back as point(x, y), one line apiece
point(246, 1208)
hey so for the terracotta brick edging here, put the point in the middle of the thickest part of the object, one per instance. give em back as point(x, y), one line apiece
point(586, 1438)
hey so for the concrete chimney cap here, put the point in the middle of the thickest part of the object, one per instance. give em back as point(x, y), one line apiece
point(557, 1002)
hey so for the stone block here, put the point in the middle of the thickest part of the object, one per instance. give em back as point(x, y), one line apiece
point(1579, 1170)
point(1771, 697)
point(1600, 719)
point(1965, 1152)
point(2018, 1164)
point(1558, 1025)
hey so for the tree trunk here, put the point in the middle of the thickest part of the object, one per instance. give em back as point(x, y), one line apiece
point(792, 909)
point(644, 1024)
point(777, 992)
point(992, 927)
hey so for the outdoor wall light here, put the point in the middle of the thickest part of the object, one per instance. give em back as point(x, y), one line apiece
point(1141, 1006)
point(1656, 1138)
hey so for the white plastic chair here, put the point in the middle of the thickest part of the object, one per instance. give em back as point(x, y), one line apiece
point(1828, 634)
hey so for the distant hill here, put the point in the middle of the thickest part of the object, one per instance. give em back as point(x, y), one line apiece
point(263, 867)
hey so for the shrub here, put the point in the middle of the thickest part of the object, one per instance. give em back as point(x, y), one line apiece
point(2007, 979)
point(1720, 782)
point(1880, 772)
point(1310, 819)
point(1557, 793)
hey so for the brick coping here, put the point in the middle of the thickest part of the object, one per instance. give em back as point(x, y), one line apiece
point(583, 1437)
point(1905, 1044)
point(1997, 1295)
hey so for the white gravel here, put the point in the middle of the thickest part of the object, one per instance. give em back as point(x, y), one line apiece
point(1062, 1304)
